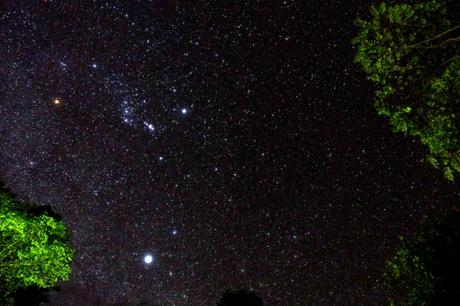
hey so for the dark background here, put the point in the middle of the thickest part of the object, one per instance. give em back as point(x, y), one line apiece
point(279, 177)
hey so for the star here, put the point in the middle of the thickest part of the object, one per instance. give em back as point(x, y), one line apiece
point(149, 126)
point(134, 131)
point(148, 259)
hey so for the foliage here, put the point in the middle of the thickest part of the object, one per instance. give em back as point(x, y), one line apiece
point(406, 276)
point(241, 297)
point(424, 270)
point(34, 249)
point(411, 52)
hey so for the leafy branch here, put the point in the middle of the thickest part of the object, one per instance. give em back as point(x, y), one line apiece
point(433, 38)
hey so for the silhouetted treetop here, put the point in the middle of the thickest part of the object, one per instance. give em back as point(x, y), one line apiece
point(241, 297)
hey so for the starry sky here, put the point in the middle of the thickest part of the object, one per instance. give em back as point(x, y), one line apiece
point(192, 146)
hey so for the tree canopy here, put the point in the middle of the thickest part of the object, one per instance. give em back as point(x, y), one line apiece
point(411, 52)
point(34, 248)
point(425, 269)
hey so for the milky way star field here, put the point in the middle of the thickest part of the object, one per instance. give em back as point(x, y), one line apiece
point(195, 146)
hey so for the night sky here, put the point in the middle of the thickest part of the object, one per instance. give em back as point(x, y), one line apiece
point(192, 146)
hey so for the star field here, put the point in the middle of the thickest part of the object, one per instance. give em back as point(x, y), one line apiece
point(192, 146)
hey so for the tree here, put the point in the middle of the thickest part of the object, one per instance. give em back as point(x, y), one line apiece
point(425, 269)
point(34, 248)
point(32, 296)
point(411, 52)
point(241, 297)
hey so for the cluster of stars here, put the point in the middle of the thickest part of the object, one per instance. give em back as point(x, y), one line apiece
point(195, 146)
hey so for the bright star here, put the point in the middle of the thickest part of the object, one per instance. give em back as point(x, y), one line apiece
point(148, 259)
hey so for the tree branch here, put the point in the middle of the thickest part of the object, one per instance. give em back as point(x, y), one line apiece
point(453, 39)
point(450, 60)
point(3, 251)
point(433, 38)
